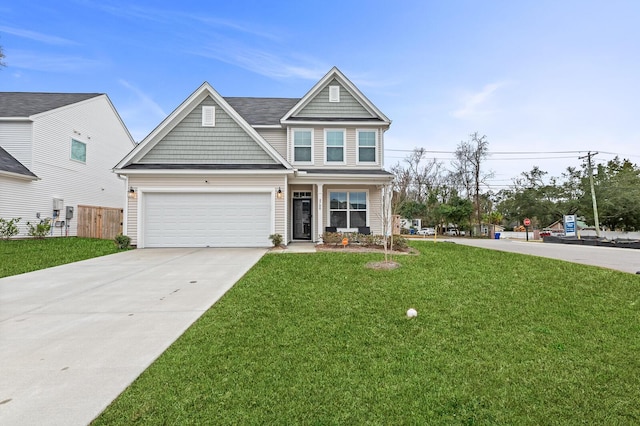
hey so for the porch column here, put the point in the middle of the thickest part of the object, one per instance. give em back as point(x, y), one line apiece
point(319, 221)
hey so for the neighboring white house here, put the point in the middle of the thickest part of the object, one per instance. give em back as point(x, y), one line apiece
point(57, 151)
point(223, 172)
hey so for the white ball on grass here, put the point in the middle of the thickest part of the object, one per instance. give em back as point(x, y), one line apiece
point(412, 313)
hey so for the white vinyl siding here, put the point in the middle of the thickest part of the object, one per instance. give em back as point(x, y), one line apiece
point(302, 146)
point(47, 155)
point(367, 146)
point(334, 142)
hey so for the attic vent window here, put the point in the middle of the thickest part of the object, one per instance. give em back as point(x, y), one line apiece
point(208, 116)
point(334, 93)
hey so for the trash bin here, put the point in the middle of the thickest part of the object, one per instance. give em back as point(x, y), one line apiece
point(412, 231)
point(497, 236)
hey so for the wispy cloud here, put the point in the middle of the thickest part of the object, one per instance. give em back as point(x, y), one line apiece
point(141, 113)
point(32, 35)
point(52, 63)
point(264, 62)
point(475, 104)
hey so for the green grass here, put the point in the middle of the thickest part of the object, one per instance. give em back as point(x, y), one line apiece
point(318, 339)
point(20, 256)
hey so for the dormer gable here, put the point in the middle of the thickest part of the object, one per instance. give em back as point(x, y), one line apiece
point(335, 97)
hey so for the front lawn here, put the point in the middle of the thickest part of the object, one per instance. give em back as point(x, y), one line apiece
point(500, 338)
point(20, 256)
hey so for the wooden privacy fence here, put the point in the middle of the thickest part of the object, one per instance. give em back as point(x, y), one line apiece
point(99, 222)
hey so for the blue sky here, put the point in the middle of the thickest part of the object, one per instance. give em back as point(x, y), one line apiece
point(533, 76)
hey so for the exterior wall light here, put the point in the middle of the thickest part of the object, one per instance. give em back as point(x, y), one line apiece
point(132, 193)
point(279, 194)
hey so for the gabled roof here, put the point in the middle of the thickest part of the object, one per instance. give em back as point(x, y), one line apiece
point(12, 167)
point(185, 108)
point(26, 104)
point(262, 111)
point(335, 73)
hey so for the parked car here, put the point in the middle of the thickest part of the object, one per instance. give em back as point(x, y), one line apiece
point(427, 231)
point(454, 232)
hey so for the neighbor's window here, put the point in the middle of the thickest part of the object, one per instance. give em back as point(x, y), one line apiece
point(78, 151)
point(348, 209)
point(366, 146)
point(302, 146)
point(334, 141)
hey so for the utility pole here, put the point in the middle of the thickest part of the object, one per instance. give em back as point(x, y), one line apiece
point(593, 193)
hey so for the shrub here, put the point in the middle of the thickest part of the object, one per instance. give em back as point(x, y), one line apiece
point(332, 238)
point(276, 239)
point(399, 243)
point(39, 230)
point(122, 241)
point(9, 228)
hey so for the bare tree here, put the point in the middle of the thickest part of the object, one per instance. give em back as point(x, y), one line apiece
point(468, 170)
point(2, 64)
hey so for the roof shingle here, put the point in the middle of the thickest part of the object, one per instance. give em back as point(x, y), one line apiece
point(26, 104)
point(9, 164)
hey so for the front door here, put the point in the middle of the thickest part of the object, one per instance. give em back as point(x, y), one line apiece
point(302, 219)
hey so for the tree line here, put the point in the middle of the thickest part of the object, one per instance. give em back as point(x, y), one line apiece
point(460, 194)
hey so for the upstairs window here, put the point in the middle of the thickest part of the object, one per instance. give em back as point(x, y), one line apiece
point(334, 142)
point(208, 116)
point(348, 209)
point(334, 93)
point(302, 146)
point(366, 146)
point(78, 151)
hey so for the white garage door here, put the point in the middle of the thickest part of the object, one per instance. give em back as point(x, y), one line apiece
point(207, 219)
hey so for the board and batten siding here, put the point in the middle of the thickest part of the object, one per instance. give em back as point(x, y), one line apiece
point(212, 184)
point(15, 138)
point(277, 138)
point(348, 107)
point(92, 122)
point(189, 142)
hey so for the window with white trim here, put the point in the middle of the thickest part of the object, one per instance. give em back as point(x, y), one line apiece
point(348, 209)
point(334, 146)
point(208, 116)
point(334, 93)
point(78, 151)
point(303, 146)
point(366, 146)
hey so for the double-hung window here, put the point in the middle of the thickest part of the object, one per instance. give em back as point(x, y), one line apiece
point(348, 209)
point(334, 145)
point(302, 146)
point(366, 146)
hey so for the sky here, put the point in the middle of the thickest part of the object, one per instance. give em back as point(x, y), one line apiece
point(545, 81)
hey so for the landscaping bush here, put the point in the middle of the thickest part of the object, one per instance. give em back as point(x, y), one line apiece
point(9, 228)
point(39, 230)
point(276, 239)
point(122, 241)
point(332, 238)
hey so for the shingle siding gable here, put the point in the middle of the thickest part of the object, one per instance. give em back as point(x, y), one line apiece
point(320, 107)
point(191, 143)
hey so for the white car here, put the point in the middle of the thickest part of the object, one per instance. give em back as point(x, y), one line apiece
point(426, 231)
point(454, 233)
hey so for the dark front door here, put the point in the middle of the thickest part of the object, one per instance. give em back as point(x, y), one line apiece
point(301, 219)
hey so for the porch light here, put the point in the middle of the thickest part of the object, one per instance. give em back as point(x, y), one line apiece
point(132, 193)
point(279, 194)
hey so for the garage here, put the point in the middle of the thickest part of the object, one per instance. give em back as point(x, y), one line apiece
point(206, 219)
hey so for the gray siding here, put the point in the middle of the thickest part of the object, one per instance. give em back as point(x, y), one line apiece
point(348, 107)
point(191, 143)
point(277, 138)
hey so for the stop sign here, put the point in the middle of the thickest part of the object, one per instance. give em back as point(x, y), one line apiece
point(527, 221)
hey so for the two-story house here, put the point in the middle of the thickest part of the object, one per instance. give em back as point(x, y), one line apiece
point(229, 172)
point(56, 155)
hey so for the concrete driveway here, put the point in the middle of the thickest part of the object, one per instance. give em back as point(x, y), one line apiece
point(625, 260)
point(73, 337)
